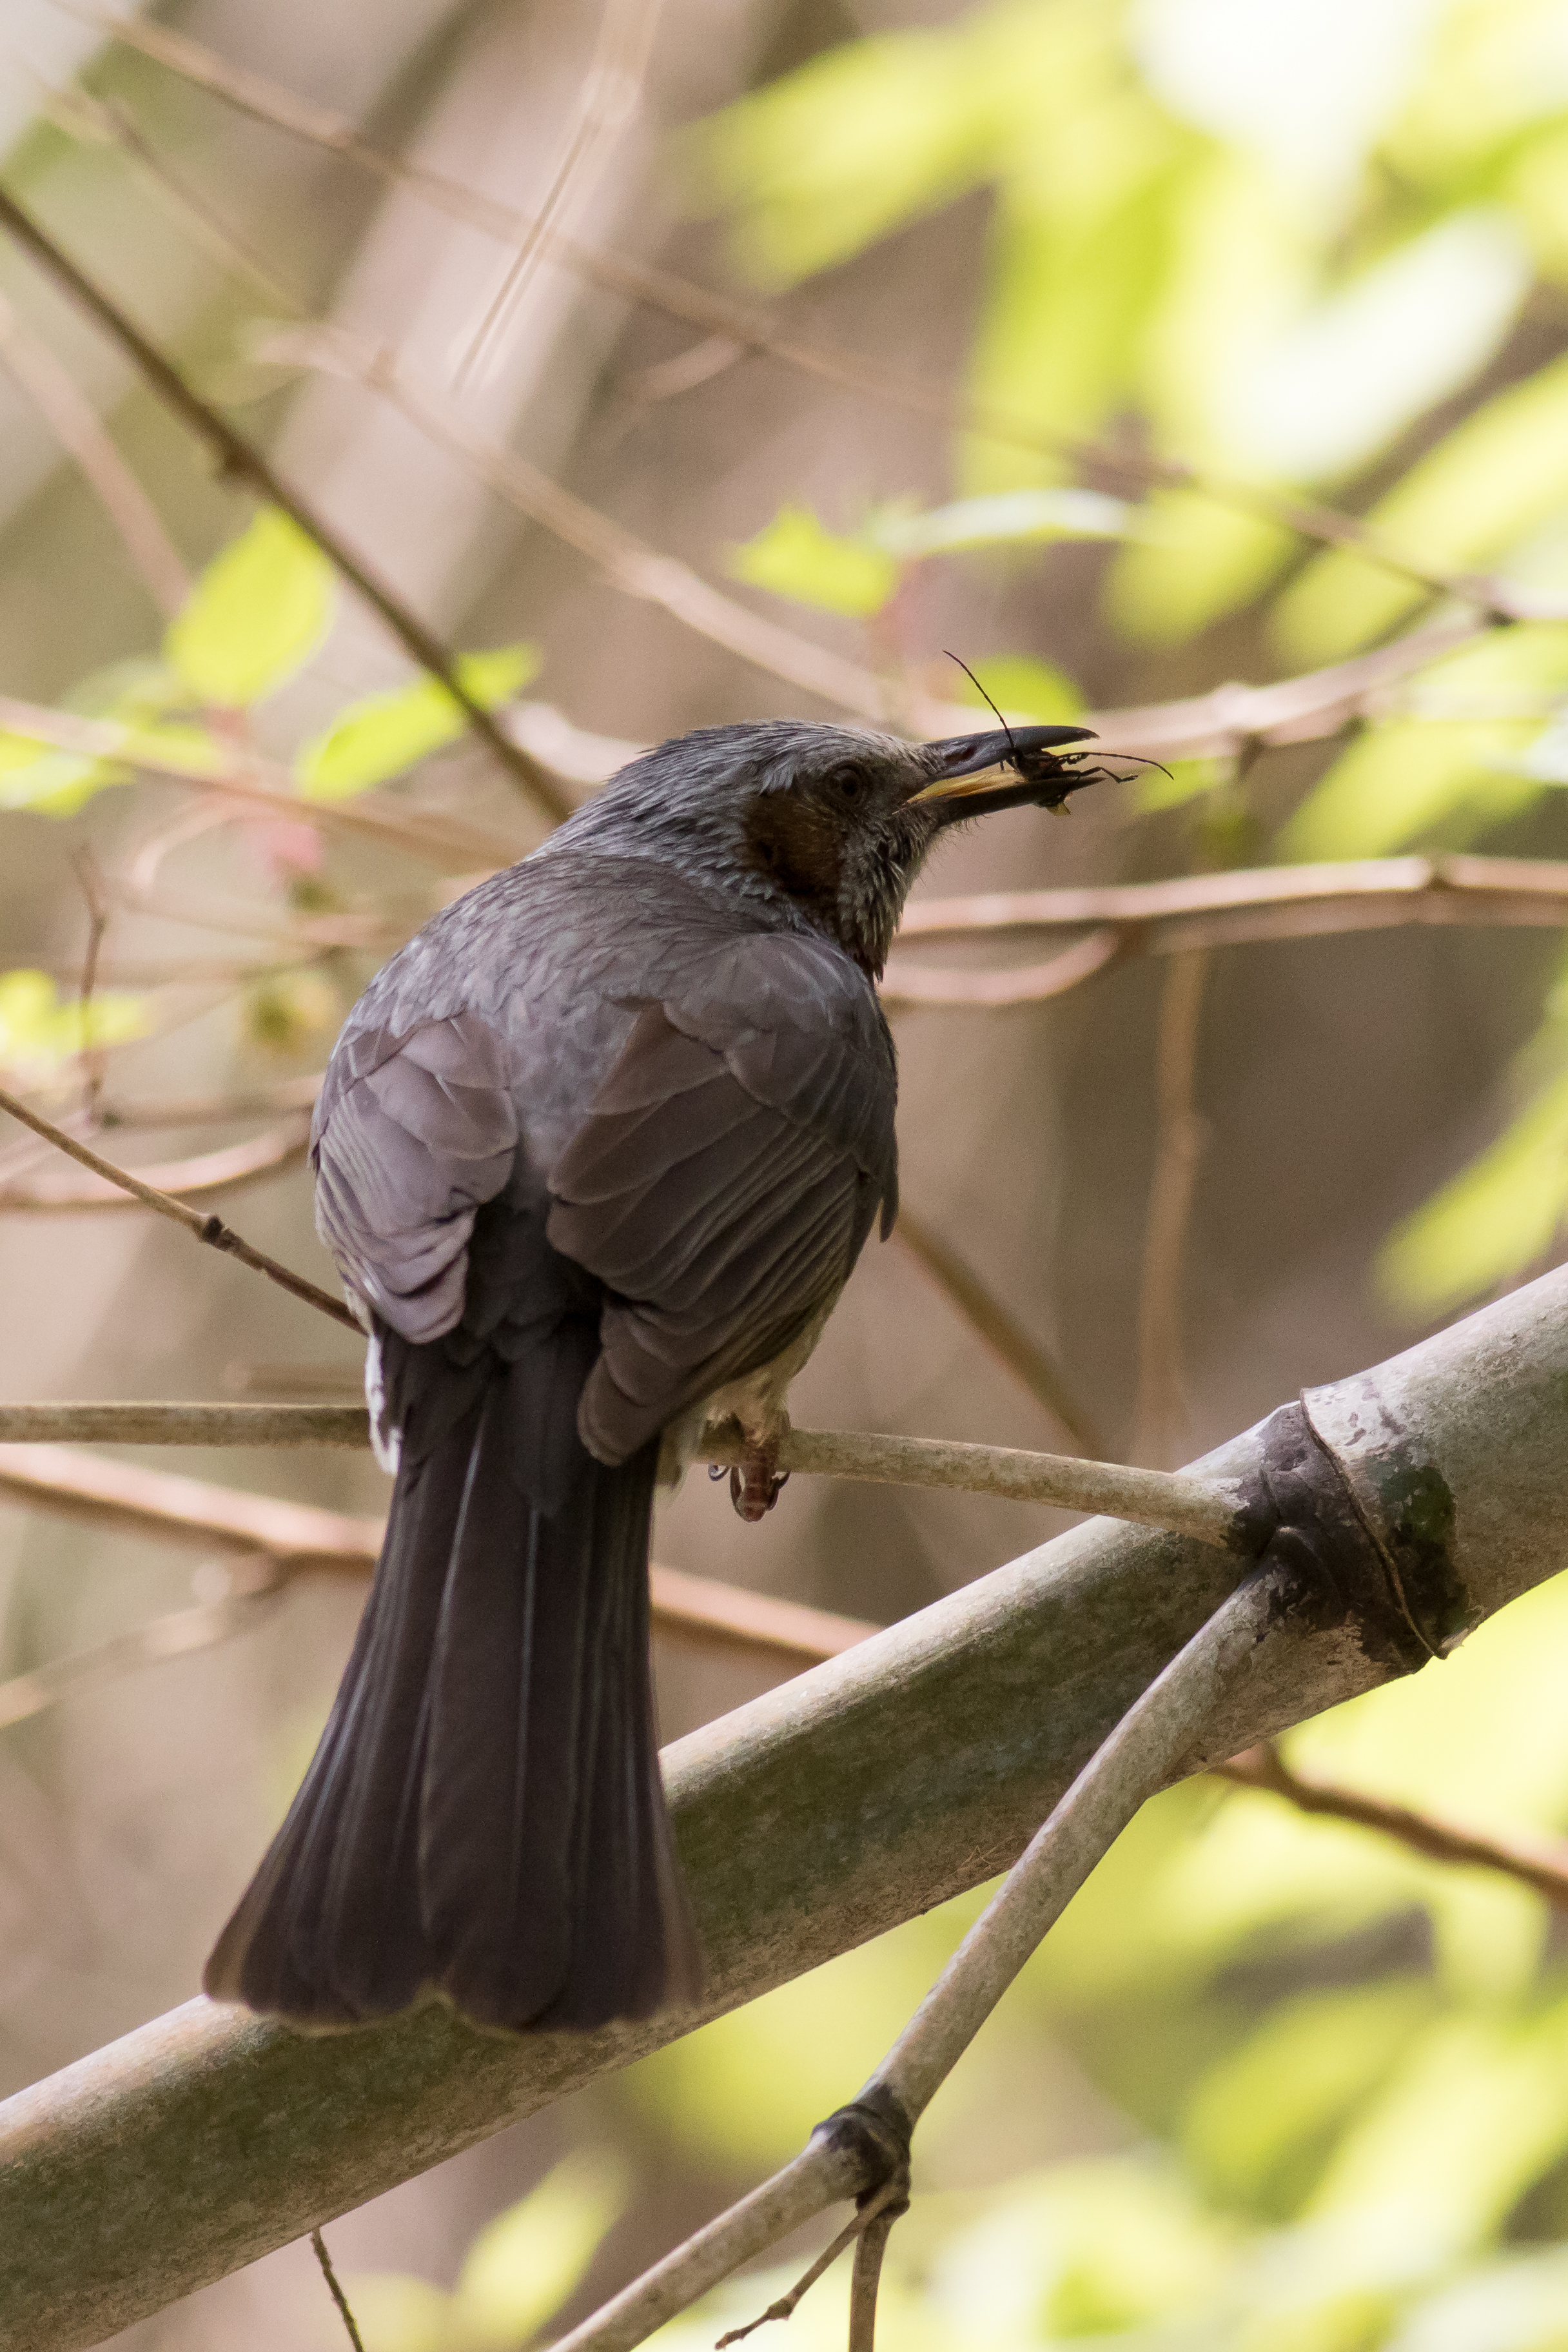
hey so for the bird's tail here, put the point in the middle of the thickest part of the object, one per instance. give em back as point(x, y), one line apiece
point(484, 1814)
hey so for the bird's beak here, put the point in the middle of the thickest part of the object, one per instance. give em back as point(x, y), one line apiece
point(978, 774)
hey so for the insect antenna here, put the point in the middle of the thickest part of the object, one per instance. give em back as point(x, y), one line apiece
point(975, 682)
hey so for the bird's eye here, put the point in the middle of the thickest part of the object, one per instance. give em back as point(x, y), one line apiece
point(846, 784)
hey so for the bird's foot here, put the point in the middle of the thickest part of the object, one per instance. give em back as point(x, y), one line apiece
point(755, 1484)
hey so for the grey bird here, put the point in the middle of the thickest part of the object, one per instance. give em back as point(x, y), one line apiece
point(594, 1155)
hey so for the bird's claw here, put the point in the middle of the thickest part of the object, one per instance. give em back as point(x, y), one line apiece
point(756, 1483)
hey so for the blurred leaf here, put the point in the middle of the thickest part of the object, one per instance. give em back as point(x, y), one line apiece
point(1193, 561)
point(382, 734)
point(1519, 2303)
point(795, 556)
point(291, 1012)
point(1491, 1221)
point(522, 2266)
point(825, 160)
point(1153, 789)
point(1477, 2113)
point(49, 782)
point(1087, 2249)
point(1268, 2105)
point(1024, 687)
point(1410, 781)
point(1000, 520)
point(1485, 484)
point(38, 1035)
point(258, 611)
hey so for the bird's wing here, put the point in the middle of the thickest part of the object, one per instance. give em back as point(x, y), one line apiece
point(413, 1134)
point(723, 1180)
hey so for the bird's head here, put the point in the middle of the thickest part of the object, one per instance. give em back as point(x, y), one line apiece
point(830, 822)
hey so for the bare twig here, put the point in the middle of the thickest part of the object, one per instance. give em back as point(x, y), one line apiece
point(244, 463)
point(107, 122)
point(1161, 1499)
point(174, 1636)
point(628, 562)
point(867, 2277)
point(204, 1178)
point(1538, 1862)
point(299, 1540)
point(1191, 916)
point(743, 324)
point(339, 2297)
point(92, 1060)
point(997, 1329)
point(784, 2306)
point(214, 1110)
point(256, 783)
point(76, 426)
point(1179, 1136)
point(210, 1229)
point(609, 96)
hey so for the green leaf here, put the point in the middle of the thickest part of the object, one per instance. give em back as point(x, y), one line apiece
point(1407, 782)
point(1493, 1221)
point(1264, 2111)
point(39, 1035)
point(258, 611)
point(1024, 686)
point(1488, 483)
point(1003, 519)
point(829, 159)
point(795, 556)
point(386, 733)
point(291, 1013)
point(522, 2266)
point(1192, 561)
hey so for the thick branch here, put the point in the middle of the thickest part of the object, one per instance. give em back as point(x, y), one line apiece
point(916, 1765)
point(245, 464)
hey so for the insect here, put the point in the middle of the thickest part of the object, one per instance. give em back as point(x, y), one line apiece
point(1056, 774)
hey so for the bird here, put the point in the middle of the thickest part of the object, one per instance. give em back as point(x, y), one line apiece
point(596, 1153)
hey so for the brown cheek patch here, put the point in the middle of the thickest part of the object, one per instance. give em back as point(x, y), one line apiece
point(797, 847)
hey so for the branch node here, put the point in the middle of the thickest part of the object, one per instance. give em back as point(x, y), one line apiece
point(875, 2128)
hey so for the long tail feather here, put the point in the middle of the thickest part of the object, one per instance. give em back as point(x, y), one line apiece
point(484, 1814)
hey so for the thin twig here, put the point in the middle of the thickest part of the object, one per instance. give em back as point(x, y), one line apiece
point(77, 426)
point(92, 1057)
point(997, 1329)
point(867, 2277)
point(299, 1540)
point(174, 1636)
point(204, 1178)
point(785, 2305)
point(628, 562)
point(210, 1229)
point(270, 102)
point(1162, 1410)
point(1538, 1862)
point(339, 2297)
point(244, 463)
point(1176, 918)
point(152, 1111)
point(254, 783)
point(607, 97)
point(1161, 1499)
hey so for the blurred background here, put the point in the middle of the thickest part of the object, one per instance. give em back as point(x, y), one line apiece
point(1134, 295)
